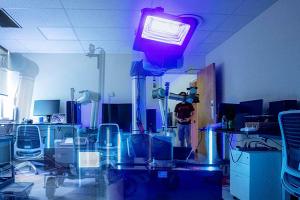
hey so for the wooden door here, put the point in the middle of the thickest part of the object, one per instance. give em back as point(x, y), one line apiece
point(194, 125)
point(206, 108)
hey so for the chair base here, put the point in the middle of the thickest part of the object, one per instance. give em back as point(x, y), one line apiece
point(29, 164)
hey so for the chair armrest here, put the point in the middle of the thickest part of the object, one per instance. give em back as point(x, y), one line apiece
point(289, 187)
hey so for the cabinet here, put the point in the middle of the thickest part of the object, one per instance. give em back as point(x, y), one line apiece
point(255, 175)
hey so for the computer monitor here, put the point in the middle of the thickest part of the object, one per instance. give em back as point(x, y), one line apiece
point(46, 108)
point(120, 114)
point(275, 107)
point(6, 154)
point(254, 107)
point(229, 110)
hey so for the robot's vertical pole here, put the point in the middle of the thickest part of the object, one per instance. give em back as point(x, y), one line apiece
point(138, 102)
point(101, 68)
point(167, 85)
point(94, 115)
point(162, 111)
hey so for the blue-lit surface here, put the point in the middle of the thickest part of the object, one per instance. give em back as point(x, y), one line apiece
point(210, 146)
point(48, 137)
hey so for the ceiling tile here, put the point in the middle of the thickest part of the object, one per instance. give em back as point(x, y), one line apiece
point(20, 34)
point(105, 4)
point(235, 23)
point(30, 4)
point(253, 7)
point(52, 46)
point(199, 6)
point(211, 22)
point(194, 61)
point(199, 36)
point(13, 45)
point(117, 34)
point(40, 17)
point(204, 48)
point(218, 37)
point(104, 18)
point(112, 23)
point(110, 46)
point(58, 33)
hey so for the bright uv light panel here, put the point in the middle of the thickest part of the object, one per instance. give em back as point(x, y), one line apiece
point(165, 30)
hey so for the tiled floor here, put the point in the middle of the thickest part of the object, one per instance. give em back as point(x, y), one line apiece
point(71, 189)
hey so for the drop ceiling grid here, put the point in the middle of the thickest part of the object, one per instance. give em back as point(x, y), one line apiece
point(74, 32)
point(58, 14)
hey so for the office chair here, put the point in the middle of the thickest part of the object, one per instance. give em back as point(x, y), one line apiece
point(28, 146)
point(289, 122)
point(138, 146)
point(108, 139)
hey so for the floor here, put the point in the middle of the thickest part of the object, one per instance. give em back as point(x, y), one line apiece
point(72, 190)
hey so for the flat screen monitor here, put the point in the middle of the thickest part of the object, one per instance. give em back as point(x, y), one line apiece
point(88, 159)
point(120, 114)
point(276, 107)
point(254, 107)
point(140, 145)
point(6, 154)
point(227, 109)
point(46, 107)
point(161, 148)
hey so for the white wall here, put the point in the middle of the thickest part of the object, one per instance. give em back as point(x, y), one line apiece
point(263, 59)
point(59, 72)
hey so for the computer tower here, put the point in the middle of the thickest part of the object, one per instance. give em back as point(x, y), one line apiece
point(151, 120)
point(73, 112)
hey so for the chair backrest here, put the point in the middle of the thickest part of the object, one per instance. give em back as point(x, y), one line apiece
point(108, 134)
point(28, 137)
point(289, 122)
point(63, 132)
point(161, 147)
point(138, 145)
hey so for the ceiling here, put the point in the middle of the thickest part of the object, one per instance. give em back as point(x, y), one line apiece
point(69, 26)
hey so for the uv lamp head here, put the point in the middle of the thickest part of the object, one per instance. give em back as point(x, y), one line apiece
point(163, 37)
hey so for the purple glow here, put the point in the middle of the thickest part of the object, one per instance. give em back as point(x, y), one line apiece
point(165, 30)
point(163, 37)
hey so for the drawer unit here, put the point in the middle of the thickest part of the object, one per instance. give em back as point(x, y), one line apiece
point(239, 185)
point(255, 175)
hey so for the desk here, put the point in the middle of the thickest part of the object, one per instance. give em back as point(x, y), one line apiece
point(140, 182)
